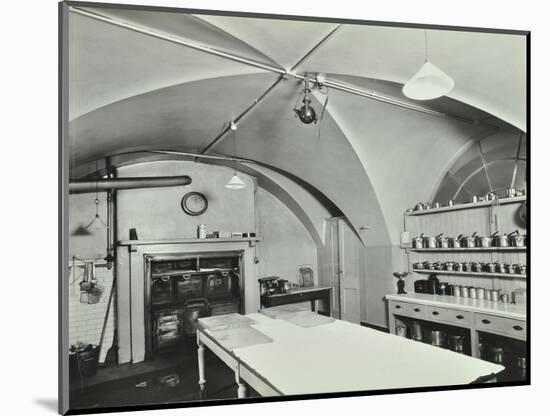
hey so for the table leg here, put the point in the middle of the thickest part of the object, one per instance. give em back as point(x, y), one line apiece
point(241, 390)
point(200, 355)
point(312, 305)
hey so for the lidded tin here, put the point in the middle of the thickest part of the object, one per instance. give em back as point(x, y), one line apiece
point(201, 231)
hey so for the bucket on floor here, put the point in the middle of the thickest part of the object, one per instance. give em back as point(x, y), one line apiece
point(83, 363)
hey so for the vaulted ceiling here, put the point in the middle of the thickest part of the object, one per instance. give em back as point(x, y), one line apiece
point(133, 91)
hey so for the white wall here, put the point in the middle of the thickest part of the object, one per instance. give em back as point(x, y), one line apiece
point(286, 243)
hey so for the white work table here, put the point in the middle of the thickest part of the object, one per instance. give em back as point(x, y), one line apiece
point(304, 353)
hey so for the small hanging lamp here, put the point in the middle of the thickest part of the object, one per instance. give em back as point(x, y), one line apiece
point(429, 82)
point(235, 182)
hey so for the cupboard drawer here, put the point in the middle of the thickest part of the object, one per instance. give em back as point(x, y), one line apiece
point(449, 316)
point(412, 310)
point(504, 326)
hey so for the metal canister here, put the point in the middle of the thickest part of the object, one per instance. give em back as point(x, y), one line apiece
point(512, 268)
point(496, 355)
point(457, 291)
point(491, 267)
point(521, 367)
point(437, 338)
point(475, 198)
point(401, 331)
point(477, 267)
point(201, 231)
point(505, 298)
point(467, 266)
point(417, 331)
point(522, 269)
point(472, 292)
point(457, 343)
point(457, 267)
point(495, 295)
point(464, 291)
point(480, 292)
point(488, 294)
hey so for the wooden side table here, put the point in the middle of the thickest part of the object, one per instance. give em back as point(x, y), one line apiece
point(300, 294)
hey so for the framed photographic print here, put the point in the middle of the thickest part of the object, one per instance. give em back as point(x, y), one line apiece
point(390, 158)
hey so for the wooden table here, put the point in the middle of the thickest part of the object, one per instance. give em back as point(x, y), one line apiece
point(278, 356)
point(300, 294)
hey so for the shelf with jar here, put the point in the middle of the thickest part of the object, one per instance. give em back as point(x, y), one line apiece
point(470, 274)
point(428, 208)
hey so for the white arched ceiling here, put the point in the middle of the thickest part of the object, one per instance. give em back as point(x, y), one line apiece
point(275, 137)
point(131, 91)
point(109, 63)
point(181, 117)
point(286, 41)
point(489, 70)
point(402, 151)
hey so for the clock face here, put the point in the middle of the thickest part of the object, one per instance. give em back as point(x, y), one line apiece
point(194, 203)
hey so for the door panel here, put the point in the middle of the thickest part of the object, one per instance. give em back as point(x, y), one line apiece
point(352, 265)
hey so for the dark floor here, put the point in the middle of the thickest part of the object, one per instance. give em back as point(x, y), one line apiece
point(141, 383)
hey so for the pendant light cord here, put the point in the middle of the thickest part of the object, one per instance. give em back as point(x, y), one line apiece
point(425, 45)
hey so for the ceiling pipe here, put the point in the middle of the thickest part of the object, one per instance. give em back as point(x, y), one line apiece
point(332, 84)
point(102, 185)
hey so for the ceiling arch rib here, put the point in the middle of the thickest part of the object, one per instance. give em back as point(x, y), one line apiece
point(230, 56)
point(109, 63)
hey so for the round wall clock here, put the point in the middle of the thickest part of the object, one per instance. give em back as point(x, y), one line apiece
point(194, 203)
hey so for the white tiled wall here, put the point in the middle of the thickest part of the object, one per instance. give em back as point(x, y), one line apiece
point(86, 320)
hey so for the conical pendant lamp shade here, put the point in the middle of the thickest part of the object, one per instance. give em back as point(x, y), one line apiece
point(235, 183)
point(428, 83)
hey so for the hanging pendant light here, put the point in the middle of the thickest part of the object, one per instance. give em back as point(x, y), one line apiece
point(235, 182)
point(429, 82)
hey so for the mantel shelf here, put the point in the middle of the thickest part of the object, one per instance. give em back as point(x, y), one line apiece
point(469, 205)
point(436, 250)
point(473, 274)
point(250, 240)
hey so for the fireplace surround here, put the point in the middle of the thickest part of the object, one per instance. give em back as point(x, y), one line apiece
point(132, 273)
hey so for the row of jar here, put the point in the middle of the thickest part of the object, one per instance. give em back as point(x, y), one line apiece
point(433, 286)
point(491, 196)
point(469, 266)
point(513, 239)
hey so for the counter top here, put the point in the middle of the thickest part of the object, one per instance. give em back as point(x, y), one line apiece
point(506, 310)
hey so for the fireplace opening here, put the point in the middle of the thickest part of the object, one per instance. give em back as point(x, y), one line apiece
point(180, 288)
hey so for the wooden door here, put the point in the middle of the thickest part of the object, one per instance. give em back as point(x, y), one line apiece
point(329, 265)
point(342, 265)
point(351, 270)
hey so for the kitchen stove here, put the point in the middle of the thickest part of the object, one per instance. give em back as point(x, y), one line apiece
point(180, 288)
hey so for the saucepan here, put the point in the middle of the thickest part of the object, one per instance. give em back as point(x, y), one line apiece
point(431, 242)
point(516, 239)
point(442, 242)
point(469, 242)
point(455, 242)
point(503, 240)
point(483, 241)
point(419, 241)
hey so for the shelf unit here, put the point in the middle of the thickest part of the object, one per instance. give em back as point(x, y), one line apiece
point(483, 218)
point(470, 249)
point(470, 274)
point(470, 205)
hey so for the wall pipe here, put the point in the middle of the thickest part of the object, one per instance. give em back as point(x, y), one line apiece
point(102, 185)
